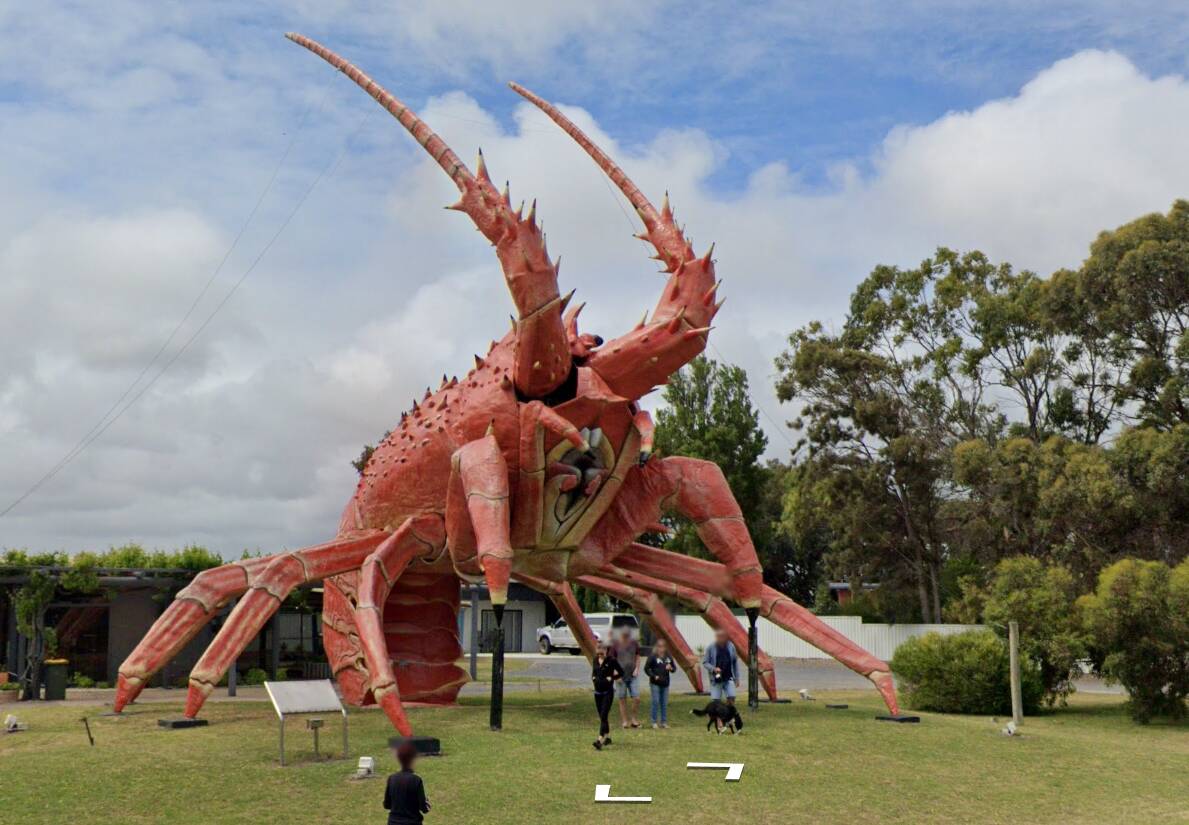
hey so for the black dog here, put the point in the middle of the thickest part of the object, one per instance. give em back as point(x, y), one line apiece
point(722, 716)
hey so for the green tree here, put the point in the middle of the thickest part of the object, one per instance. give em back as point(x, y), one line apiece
point(1041, 600)
point(708, 414)
point(1128, 305)
point(1138, 619)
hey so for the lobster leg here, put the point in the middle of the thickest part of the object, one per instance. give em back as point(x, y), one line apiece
point(274, 584)
point(563, 599)
point(478, 515)
point(646, 602)
point(712, 608)
point(418, 536)
point(641, 563)
point(192, 608)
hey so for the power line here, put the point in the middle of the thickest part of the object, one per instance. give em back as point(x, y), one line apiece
point(103, 426)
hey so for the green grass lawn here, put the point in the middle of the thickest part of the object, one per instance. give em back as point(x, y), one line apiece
point(804, 763)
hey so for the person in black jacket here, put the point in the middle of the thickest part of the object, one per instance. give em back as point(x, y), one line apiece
point(658, 667)
point(603, 674)
point(404, 797)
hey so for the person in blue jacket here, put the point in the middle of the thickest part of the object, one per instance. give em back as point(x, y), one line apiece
point(721, 663)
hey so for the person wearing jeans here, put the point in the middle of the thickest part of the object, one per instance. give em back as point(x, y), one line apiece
point(721, 663)
point(658, 667)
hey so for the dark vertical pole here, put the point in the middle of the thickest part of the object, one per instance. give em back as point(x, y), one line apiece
point(474, 633)
point(497, 670)
point(274, 646)
point(233, 671)
point(753, 667)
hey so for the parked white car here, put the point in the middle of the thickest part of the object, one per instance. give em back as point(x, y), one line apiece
point(606, 626)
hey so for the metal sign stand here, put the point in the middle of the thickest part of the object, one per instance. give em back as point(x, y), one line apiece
point(313, 696)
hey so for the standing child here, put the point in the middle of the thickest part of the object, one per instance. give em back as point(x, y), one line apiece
point(404, 798)
point(603, 674)
point(658, 667)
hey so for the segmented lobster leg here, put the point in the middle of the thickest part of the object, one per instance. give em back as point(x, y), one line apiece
point(646, 603)
point(273, 585)
point(194, 606)
point(640, 563)
point(478, 515)
point(563, 599)
point(712, 608)
point(418, 536)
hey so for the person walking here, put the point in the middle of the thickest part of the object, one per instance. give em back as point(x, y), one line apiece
point(404, 796)
point(721, 664)
point(605, 673)
point(627, 651)
point(658, 667)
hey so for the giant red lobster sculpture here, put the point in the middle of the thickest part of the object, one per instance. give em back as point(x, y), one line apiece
point(534, 467)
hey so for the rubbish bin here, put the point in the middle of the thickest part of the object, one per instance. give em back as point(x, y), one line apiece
point(55, 678)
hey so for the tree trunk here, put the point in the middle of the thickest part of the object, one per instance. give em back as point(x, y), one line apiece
point(933, 579)
point(922, 590)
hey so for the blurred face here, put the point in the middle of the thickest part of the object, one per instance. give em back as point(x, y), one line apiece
point(660, 647)
point(626, 635)
point(720, 637)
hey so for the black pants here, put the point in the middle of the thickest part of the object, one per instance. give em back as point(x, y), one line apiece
point(603, 702)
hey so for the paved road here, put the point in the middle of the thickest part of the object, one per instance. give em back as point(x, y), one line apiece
point(563, 671)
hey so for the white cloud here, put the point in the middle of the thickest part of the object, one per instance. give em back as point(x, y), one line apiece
point(247, 441)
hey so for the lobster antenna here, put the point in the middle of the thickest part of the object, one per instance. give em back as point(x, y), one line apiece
point(434, 145)
point(632, 192)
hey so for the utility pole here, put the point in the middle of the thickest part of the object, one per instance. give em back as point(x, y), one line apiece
point(1013, 646)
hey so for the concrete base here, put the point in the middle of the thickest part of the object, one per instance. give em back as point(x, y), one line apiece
point(838, 707)
point(425, 745)
point(113, 714)
point(900, 718)
point(181, 722)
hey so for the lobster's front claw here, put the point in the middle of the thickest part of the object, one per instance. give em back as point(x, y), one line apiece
point(645, 454)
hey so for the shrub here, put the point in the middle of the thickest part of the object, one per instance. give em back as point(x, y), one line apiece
point(80, 680)
point(10, 685)
point(1041, 600)
point(255, 676)
point(1138, 619)
point(964, 673)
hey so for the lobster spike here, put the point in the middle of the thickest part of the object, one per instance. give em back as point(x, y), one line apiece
point(565, 301)
point(478, 361)
point(643, 320)
point(530, 218)
point(675, 323)
point(708, 298)
point(696, 333)
point(507, 194)
point(666, 211)
point(709, 254)
point(481, 167)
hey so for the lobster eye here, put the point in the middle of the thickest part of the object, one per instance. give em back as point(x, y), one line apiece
point(598, 340)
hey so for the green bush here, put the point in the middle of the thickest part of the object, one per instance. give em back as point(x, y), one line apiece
point(964, 673)
point(255, 676)
point(1138, 619)
point(1041, 600)
point(80, 680)
point(10, 685)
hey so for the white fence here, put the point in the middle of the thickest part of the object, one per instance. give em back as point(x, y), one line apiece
point(881, 640)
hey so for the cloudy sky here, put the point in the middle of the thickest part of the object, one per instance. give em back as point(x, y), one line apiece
point(153, 155)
